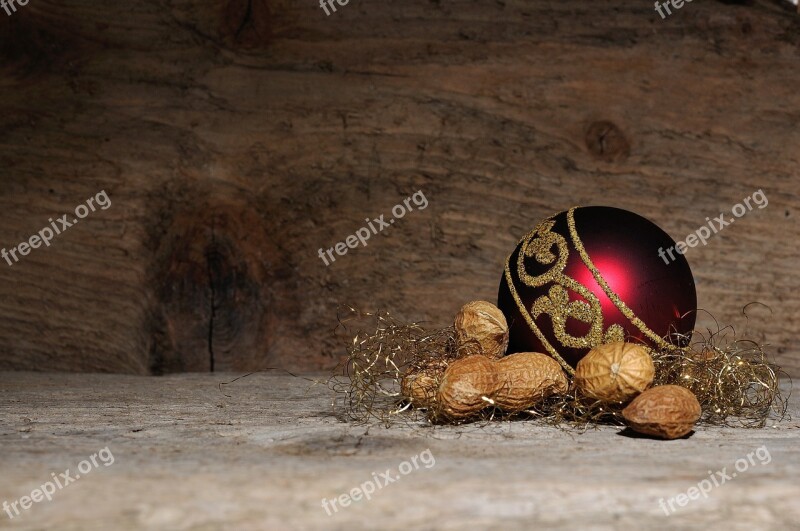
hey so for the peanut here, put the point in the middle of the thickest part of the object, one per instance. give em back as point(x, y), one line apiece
point(526, 378)
point(466, 385)
point(419, 385)
point(513, 384)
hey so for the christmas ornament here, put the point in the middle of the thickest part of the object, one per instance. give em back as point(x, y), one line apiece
point(593, 275)
point(591, 279)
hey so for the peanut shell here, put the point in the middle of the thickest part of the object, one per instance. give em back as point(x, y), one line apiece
point(465, 387)
point(526, 378)
point(420, 384)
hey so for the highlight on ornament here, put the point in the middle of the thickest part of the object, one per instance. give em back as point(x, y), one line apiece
point(589, 329)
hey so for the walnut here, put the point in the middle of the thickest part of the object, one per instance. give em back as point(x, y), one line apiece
point(666, 411)
point(615, 372)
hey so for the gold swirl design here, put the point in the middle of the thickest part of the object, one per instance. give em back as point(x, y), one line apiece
point(621, 306)
point(539, 244)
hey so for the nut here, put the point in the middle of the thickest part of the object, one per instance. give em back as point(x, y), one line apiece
point(666, 411)
point(526, 378)
point(466, 385)
point(481, 328)
point(419, 384)
point(615, 372)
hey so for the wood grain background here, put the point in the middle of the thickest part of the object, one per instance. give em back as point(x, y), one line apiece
point(237, 138)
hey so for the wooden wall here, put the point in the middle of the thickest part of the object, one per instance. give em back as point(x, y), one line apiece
point(237, 138)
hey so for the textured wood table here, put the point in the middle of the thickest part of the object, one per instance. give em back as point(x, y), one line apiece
point(187, 457)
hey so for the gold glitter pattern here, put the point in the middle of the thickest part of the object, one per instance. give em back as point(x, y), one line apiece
point(621, 306)
point(539, 244)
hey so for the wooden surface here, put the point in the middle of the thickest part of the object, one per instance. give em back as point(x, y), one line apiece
point(187, 457)
point(235, 139)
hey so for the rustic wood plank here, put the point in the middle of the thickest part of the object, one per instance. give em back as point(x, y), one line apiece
point(236, 140)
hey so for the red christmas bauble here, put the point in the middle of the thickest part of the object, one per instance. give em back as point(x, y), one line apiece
point(592, 275)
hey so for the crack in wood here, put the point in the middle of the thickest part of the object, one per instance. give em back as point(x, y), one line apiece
point(210, 256)
point(248, 16)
